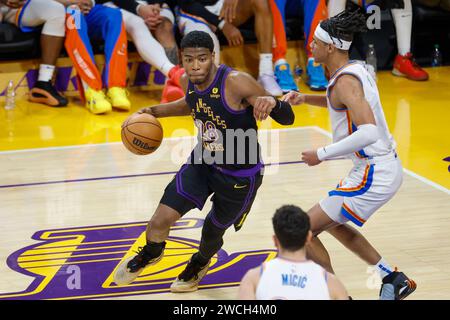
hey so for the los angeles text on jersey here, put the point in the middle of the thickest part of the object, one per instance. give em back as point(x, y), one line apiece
point(227, 309)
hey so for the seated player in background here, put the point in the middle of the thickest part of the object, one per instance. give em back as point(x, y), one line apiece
point(28, 15)
point(213, 16)
point(225, 105)
point(150, 25)
point(88, 21)
point(291, 276)
point(314, 11)
point(404, 64)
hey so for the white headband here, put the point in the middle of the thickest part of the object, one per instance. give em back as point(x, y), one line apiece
point(324, 36)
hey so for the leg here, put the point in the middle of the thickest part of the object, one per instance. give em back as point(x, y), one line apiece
point(80, 51)
point(260, 9)
point(282, 70)
point(314, 12)
point(316, 250)
point(165, 35)
point(52, 39)
point(353, 240)
point(403, 64)
point(107, 24)
point(149, 49)
point(279, 31)
point(159, 225)
point(230, 207)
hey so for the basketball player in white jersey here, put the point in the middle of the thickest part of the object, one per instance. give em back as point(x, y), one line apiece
point(360, 132)
point(290, 276)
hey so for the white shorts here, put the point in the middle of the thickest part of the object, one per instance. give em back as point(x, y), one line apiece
point(49, 13)
point(369, 185)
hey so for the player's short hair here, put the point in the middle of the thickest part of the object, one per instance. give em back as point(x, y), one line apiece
point(197, 39)
point(291, 225)
point(346, 24)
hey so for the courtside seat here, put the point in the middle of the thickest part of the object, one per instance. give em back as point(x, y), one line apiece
point(15, 44)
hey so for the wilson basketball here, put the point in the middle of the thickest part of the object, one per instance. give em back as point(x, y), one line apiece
point(142, 134)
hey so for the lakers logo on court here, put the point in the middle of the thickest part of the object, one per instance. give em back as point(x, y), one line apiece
point(79, 263)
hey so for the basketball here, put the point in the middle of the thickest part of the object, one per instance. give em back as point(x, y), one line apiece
point(142, 134)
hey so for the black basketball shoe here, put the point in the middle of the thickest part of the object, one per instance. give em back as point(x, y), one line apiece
point(44, 92)
point(396, 286)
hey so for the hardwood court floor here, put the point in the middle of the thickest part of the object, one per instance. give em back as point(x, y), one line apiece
point(67, 182)
point(105, 185)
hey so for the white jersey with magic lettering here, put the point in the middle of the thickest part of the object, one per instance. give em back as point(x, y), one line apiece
point(341, 121)
point(282, 279)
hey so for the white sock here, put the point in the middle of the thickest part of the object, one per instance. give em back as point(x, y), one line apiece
point(280, 62)
point(403, 25)
point(46, 72)
point(383, 268)
point(335, 7)
point(265, 64)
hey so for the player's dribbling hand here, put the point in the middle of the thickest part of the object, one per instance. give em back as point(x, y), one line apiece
point(262, 107)
point(310, 158)
point(147, 110)
point(294, 98)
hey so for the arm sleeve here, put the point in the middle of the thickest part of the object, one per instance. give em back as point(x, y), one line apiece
point(197, 9)
point(361, 138)
point(282, 113)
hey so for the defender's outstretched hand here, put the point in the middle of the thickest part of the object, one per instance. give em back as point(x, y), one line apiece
point(294, 98)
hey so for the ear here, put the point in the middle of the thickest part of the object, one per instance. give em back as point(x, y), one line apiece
point(276, 242)
point(309, 237)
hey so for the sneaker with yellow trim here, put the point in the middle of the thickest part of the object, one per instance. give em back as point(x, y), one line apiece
point(119, 98)
point(96, 101)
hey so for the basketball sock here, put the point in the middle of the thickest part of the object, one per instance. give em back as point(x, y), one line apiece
point(266, 64)
point(403, 25)
point(46, 72)
point(154, 249)
point(383, 268)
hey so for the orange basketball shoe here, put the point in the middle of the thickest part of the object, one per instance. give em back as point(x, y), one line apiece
point(172, 89)
point(405, 66)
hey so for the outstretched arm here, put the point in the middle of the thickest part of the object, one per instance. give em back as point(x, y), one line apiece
point(171, 109)
point(296, 98)
point(263, 104)
point(350, 94)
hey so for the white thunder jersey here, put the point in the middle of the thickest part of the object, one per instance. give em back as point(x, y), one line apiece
point(282, 279)
point(340, 117)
